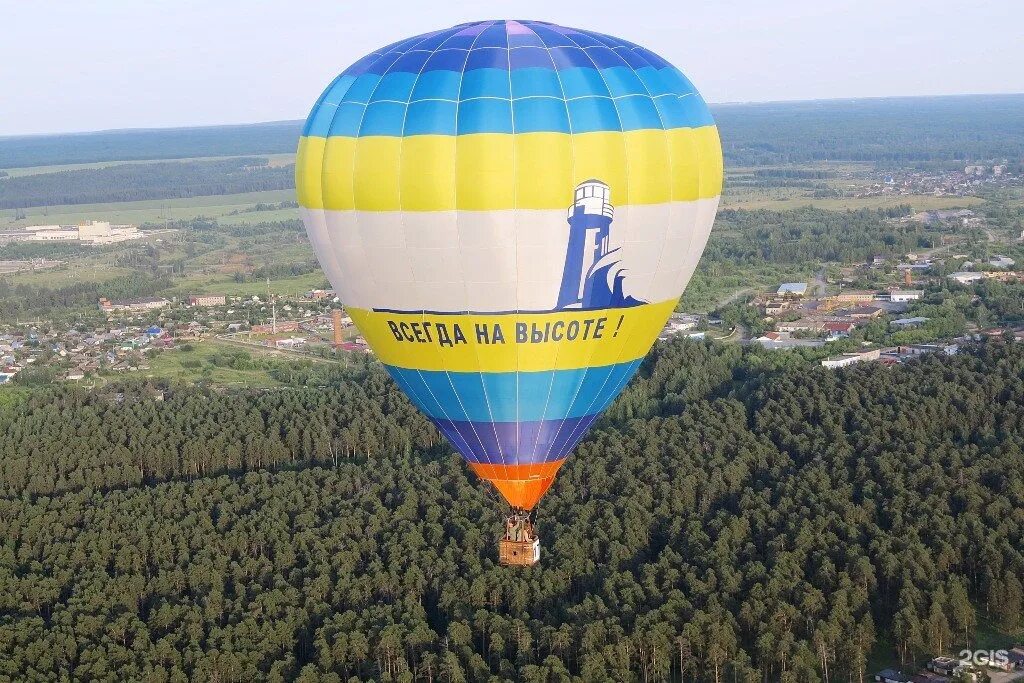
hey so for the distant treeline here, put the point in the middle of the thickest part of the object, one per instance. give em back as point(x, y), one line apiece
point(167, 143)
point(21, 300)
point(132, 182)
point(911, 129)
point(896, 130)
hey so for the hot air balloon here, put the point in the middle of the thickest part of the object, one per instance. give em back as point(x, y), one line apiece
point(509, 211)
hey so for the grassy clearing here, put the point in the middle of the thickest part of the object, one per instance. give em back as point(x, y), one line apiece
point(195, 364)
point(274, 160)
point(73, 273)
point(225, 284)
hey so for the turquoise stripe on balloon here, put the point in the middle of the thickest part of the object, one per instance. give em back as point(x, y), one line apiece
point(483, 83)
point(511, 396)
point(438, 85)
point(484, 96)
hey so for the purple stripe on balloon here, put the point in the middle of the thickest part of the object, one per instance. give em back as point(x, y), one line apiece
point(511, 443)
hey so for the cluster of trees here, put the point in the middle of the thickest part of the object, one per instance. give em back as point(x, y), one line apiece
point(906, 130)
point(736, 516)
point(20, 300)
point(812, 235)
point(130, 182)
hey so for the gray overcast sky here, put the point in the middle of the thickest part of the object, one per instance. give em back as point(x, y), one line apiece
point(78, 66)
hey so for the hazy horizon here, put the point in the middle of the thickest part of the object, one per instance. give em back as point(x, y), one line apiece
point(299, 120)
point(113, 65)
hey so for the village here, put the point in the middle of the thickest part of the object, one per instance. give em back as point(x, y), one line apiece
point(973, 178)
point(799, 315)
point(995, 666)
point(128, 333)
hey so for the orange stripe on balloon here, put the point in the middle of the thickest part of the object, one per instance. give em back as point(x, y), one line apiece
point(521, 485)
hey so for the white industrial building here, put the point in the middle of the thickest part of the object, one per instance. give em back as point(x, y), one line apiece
point(966, 277)
point(845, 359)
point(90, 232)
point(905, 295)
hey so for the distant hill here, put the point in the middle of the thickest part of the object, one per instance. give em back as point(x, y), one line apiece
point(897, 130)
point(887, 130)
point(154, 143)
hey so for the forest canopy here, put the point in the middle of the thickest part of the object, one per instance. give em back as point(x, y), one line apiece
point(736, 515)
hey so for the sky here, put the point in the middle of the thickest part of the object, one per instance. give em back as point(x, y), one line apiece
point(68, 66)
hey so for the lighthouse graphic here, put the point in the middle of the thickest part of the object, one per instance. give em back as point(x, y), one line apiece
point(592, 276)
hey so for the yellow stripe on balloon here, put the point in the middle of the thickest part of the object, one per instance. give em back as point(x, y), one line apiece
point(528, 341)
point(488, 171)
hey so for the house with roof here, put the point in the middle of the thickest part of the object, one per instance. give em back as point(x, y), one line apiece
point(792, 290)
point(906, 323)
point(891, 676)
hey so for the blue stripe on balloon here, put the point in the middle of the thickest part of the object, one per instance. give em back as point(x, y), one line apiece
point(535, 82)
point(485, 83)
point(473, 63)
point(511, 396)
point(495, 115)
point(637, 112)
point(487, 58)
point(485, 116)
point(623, 81)
point(438, 85)
point(586, 82)
point(383, 118)
point(346, 121)
point(591, 114)
point(394, 86)
point(433, 117)
point(540, 114)
point(512, 443)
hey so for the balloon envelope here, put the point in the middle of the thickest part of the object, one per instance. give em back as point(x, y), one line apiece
point(510, 211)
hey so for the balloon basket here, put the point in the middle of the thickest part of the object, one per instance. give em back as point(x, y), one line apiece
point(520, 546)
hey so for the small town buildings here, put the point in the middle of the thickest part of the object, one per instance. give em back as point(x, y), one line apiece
point(88, 232)
point(845, 359)
point(865, 312)
point(802, 325)
point(1004, 262)
point(282, 326)
point(904, 295)
point(943, 665)
point(853, 297)
point(318, 294)
point(792, 290)
point(779, 341)
point(207, 300)
point(918, 349)
point(929, 677)
point(966, 277)
point(905, 323)
point(891, 676)
point(839, 329)
point(139, 304)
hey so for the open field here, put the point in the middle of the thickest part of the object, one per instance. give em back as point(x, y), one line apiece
point(228, 208)
point(225, 284)
point(195, 364)
point(273, 159)
point(74, 273)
